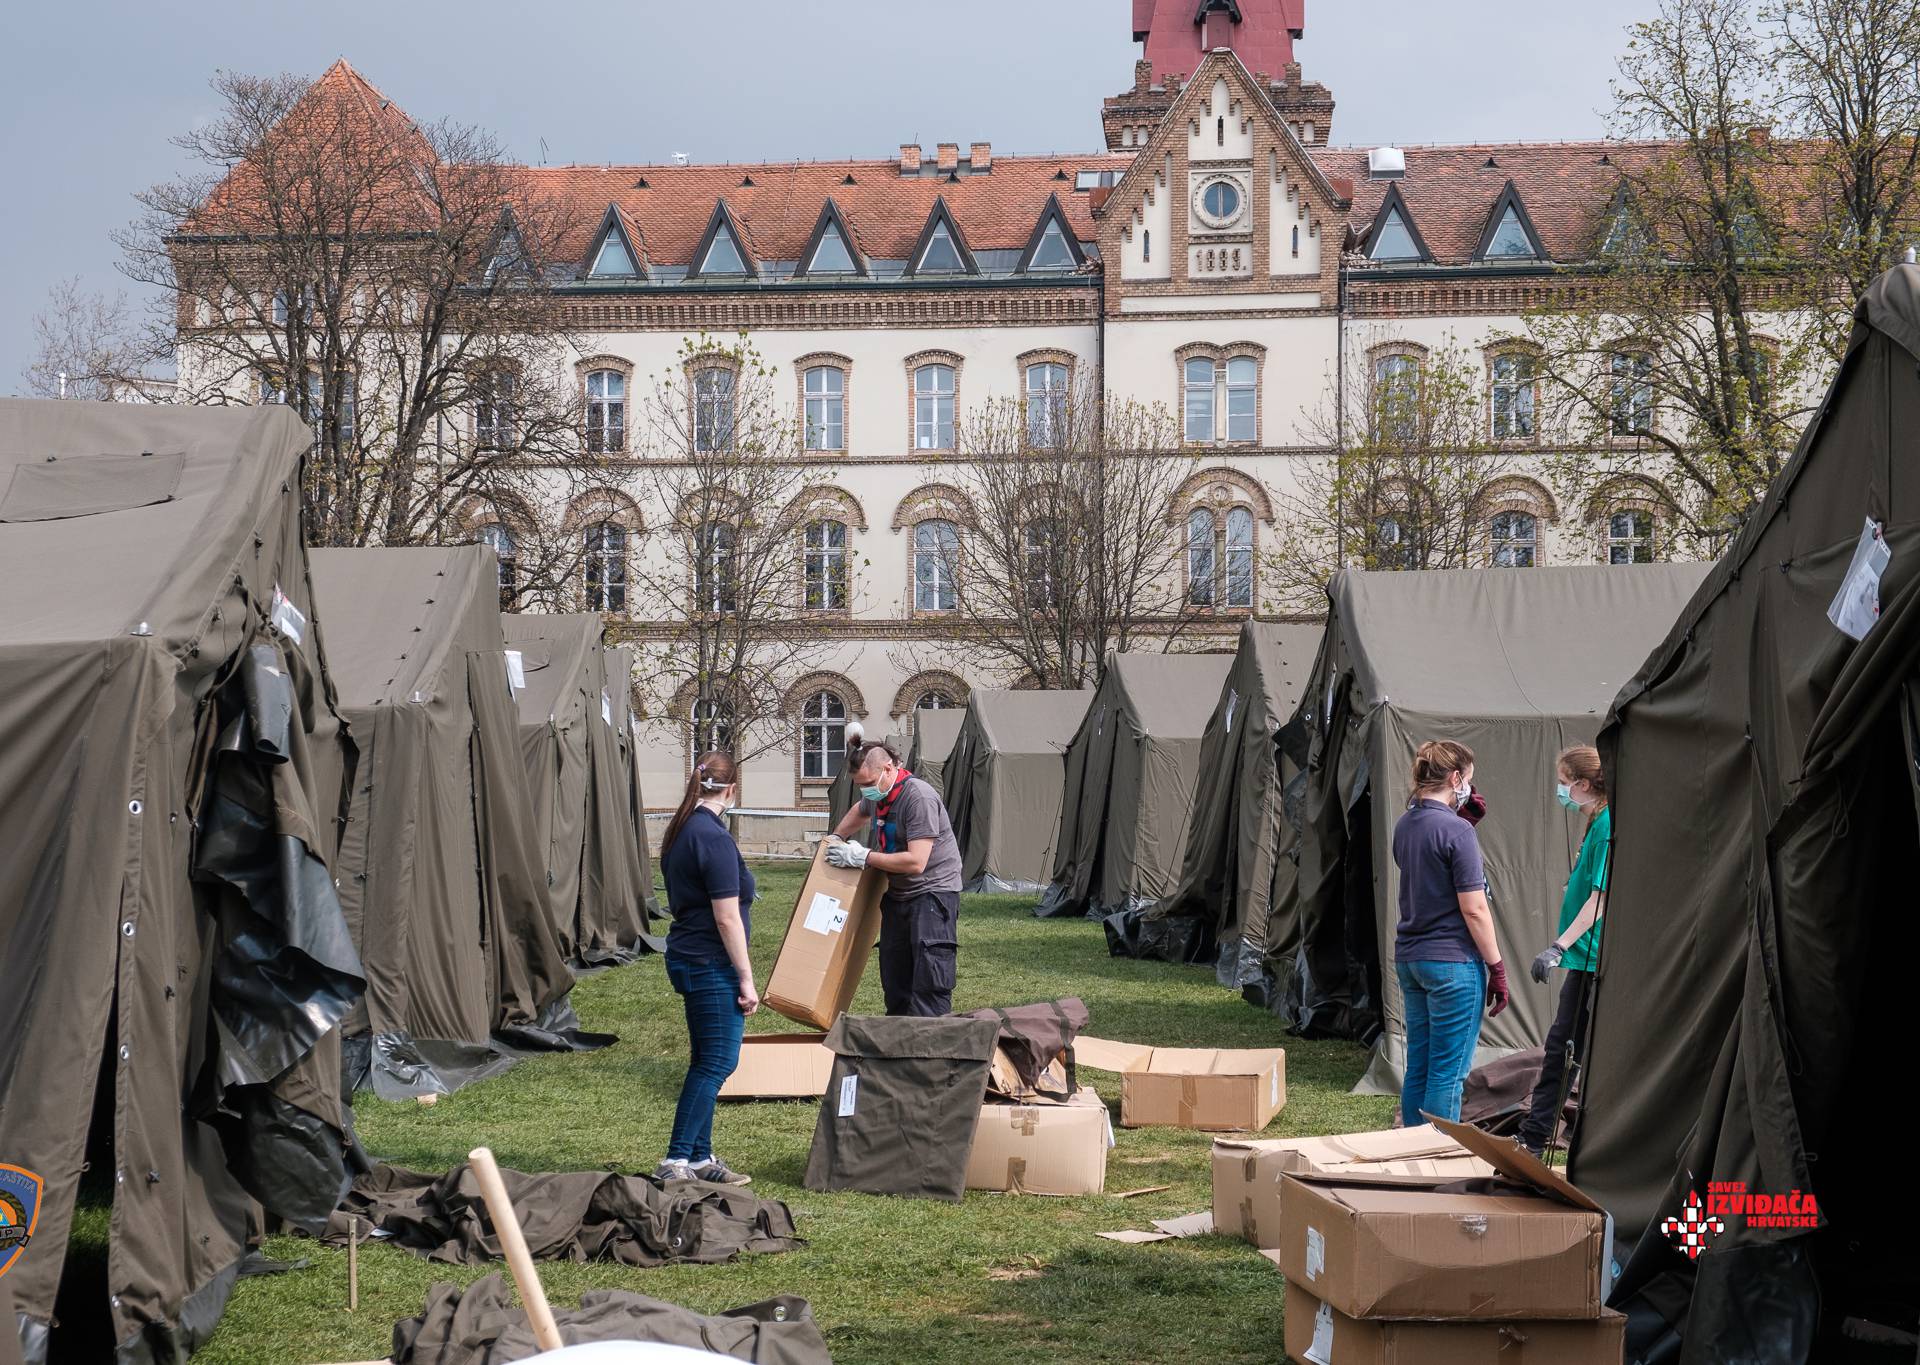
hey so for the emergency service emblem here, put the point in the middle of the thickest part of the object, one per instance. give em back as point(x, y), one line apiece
point(19, 1208)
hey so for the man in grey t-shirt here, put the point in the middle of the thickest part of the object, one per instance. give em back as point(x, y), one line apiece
point(911, 840)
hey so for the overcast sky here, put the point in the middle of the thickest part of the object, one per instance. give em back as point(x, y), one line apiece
point(91, 92)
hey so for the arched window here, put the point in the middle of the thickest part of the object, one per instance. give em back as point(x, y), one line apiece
point(1516, 539)
point(1042, 584)
point(1630, 536)
point(823, 736)
point(712, 726)
point(606, 412)
point(1513, 396)
point(1200, 557)
point(1395, 543)
point(933, 407)
point(715, 569)
point(606, 567)
point(936, 554)
point(507, 556)
point(935, 700)
point(495, 423)
point(826, 411)
point(825, 569)
point(1239, 557)
point(713, 408)
point(1220, 558)
point(1046, 403)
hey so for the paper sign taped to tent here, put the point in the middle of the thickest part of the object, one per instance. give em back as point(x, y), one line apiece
point(849, 1094)
point(516, 671)
point(287, 618)
point(825, 914)
point(1857, 605)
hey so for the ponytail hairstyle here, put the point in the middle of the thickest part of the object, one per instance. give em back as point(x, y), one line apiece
point(1581, 762)
point(714, 771)
point(1436, 761)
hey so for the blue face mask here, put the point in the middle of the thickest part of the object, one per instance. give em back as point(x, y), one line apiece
point(1565, 797)
point(875, 794)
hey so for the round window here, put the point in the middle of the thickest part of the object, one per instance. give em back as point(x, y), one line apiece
point(1221, 200)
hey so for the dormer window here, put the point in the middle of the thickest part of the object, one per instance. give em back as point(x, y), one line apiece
point(1394, 238)
point(830, 250)
point(941, 250)
point(1509, 239)
point(1509, 235)
point(612, 256)
point(831, 256)
point(1052, 246)
point(940, 253)
point(1053, 253)
point(721, 251)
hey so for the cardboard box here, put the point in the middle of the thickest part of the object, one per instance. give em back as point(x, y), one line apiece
point(1003, 1080)
point(1247, 1171)
point(1055, 1149)
point(1316, 1334)
point(1217, 1089)
point(780, 1066)
point(834, 925)
point(1383, 1246)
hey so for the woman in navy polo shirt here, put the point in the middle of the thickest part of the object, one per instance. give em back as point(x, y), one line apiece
point(710, 894)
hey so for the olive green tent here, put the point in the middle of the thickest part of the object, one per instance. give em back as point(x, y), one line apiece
point(935, 728)
point(1004, 781)
point(1130, 783)
point(1516, 664)
point(440, 878)
point(1754, 997)
point(620, 666)
point(171, 777)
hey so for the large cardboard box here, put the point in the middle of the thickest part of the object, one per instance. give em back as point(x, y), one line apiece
point(1317, 1334)
point(780, 1066)
point(1247, 1171)
point(834, 925)
point(1216, 1089)
point(1383, 1246)
point(1042, 1148)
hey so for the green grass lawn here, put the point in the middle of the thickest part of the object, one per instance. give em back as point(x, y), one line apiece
point(996, 1278)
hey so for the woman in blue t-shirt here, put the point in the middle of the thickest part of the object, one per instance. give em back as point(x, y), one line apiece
point(710, 894)
point(1582, 787)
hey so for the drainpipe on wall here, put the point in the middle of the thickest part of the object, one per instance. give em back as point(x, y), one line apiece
point(1340, 409)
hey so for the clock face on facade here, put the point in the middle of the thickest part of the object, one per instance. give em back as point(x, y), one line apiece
point(1218, 203)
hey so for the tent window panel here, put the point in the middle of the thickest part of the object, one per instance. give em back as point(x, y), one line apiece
point(1516, 540)
point(936, 550)
point(823, 737)
point(933, 407)
point(826, 566)
point(1630, 537)
point(606, 412)
point(1200, 557)
point(606, 546)
point(826, 408)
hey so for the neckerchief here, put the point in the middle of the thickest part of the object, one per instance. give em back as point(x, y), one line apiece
point(886, 835)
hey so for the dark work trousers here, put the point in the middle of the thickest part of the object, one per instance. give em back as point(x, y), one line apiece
point(919, 943)
point(1569, 1023)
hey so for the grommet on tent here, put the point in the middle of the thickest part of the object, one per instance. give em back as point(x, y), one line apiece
point(134, 808)
point(142, 629)
point(125, 1052)
point(126, 929)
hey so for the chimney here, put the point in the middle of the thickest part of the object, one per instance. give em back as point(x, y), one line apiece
point(948, 156)
point(1293, 75)
point(980, 157)
point(909, 158)
point(1142, 76)
point(1216, 31)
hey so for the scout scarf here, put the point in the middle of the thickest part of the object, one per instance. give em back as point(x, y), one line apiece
point(886, 834)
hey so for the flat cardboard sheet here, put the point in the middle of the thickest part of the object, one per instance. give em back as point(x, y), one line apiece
point(780, 1066)
point(1215, 1089)
point(1317, 1334)
point(1057, 1149)
point(835, 922)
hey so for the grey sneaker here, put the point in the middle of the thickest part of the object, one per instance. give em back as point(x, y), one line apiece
point(671, 1170)
point(717, 1172)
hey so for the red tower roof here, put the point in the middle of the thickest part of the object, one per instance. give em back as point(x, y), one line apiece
point(1179, 32)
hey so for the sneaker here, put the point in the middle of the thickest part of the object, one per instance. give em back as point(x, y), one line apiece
point(717, 1172)
point(671, 1170)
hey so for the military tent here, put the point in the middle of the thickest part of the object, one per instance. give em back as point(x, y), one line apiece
point(934, 731)
point(1225, 879)
point(1755, 987)
point(580, 794)
point(442, 884)
point(1004, 780)
point(171, 775)
point(620, 665)
point(1517, 664)
point(1130, 782)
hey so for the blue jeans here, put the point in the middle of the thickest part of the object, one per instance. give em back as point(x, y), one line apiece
point(710, 991)
point(1442, 1002)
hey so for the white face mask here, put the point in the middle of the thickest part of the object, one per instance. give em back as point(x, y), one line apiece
point(1461, 794)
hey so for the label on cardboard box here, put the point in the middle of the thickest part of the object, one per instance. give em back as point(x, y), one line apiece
point(825, 914)
point(1320, 1350)
point(1316, 1253)
point(830, 936)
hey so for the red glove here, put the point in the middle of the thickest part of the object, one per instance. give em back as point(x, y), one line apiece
point(1497, 993)
point(1474, 809)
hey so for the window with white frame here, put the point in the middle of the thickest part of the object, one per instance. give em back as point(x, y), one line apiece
point(1513, 396)
point(1221, 399)
point(936, 556)
point(1239, 557)
point(825, 570)
point(825, 387)
point(606, 555)
point(1516, 539)
point(1220, 551)
point(1630, 393)
point(712, 726)
point(1200, 557)
point(713, 408)
point(1042, 583)
point(1396, 542)
point(715, 569)
point(1046, 403)
point(494, 423)
point(933, 407)
point(507, 562)
point(1396, 397)
point(606, 412)
point(823, 736)
point(1630, 536)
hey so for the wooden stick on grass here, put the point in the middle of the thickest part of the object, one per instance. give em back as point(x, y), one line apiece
point(514, 1245)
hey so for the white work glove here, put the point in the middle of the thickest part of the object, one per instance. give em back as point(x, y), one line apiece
point(852, 853)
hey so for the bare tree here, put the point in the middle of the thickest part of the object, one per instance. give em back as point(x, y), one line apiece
point(84, 344)
point(1407, 479)
point(1069, 544)
point(389, 281)
point(733, 593)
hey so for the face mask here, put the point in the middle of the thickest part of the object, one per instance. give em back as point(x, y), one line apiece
point(875, 794)
point(1565, 797)
point(1460, 795)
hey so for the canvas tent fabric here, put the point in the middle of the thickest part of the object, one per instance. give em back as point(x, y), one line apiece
point(935, 728)
point(1225, 881)
point(439, 876)
point(1004, 781)
point(1516, 665)
point(620, 669)
point(580, 796)
point(1754, 989)
point(171, 771)
point(1130, 775)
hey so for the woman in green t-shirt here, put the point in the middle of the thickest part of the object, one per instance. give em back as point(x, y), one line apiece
point(1582, 787)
